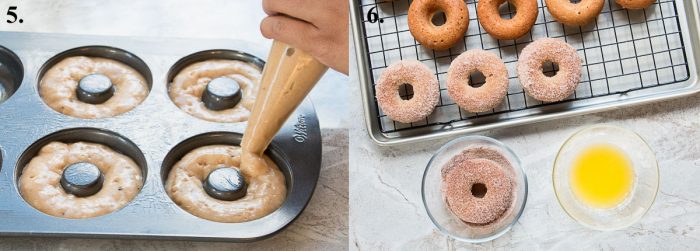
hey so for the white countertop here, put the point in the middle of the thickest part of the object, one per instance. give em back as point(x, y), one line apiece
point(387, 211)
point(324, 223)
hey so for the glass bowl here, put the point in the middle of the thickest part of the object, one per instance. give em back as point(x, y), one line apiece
point(441, 215)
point(644, 186)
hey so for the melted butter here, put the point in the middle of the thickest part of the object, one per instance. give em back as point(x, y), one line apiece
point(287, 79)
point(602, 176)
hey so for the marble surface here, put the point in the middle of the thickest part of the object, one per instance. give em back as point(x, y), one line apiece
point(324, 223)
point(387, 213)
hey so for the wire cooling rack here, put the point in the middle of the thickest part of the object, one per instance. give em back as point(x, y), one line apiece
point(622, 51)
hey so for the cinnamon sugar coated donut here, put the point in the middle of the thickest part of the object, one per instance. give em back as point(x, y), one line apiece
point(635, 4)
point(540, 86)
point(420, 16)
point(426, 91)
point(574, 14)
point(485, 97)
point(463, 175)
point(513, 28)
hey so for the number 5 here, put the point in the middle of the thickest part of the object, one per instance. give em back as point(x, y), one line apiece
point(11, 13)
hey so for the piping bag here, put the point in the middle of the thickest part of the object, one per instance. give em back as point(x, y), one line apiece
point(288, 77)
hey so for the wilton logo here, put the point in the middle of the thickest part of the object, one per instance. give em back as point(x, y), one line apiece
point(300, 135)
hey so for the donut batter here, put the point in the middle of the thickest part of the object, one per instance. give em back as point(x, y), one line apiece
point(40, 185)
point(58, 87)
point(266, 191)
point(189, 84)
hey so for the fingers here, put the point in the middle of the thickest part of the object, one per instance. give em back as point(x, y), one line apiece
point(289, 30)
point(305, 10)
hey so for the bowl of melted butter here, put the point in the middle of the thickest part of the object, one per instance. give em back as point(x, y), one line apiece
point(605, 177)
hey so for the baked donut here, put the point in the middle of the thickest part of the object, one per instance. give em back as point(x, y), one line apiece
point(265, 193)
point(420, 15)
point(540, 86)
point(426, 91)
point(477, 191)
point(189, 84)
point(574, 14)
point(635, 4)
point(485, 97)
point(513, 28)
point(39, 182)
point(59, 84)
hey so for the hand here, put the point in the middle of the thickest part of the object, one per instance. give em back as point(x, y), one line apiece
point(318, 27)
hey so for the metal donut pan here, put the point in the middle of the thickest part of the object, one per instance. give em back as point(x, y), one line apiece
point(147, 134)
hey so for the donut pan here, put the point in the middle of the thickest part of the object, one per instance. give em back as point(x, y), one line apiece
point(155, 135)
point(629, 57)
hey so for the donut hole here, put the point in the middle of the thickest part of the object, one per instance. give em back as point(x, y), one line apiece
point(507, 10)
point(479, 190)
point(406, 91)
point(439, 18)
point(575, 1)
point(477, 79)
point(550, 68)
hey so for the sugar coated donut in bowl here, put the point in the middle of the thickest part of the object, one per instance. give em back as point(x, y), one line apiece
point(635, 4)
point(574, 14)
point(426, 91)
point(420, 16)
point(540, 86)
point(485, 97)
point(501, 28)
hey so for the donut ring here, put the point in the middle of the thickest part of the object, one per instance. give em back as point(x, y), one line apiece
point(189, 84)
point(265, 193)
point(485, 97)
point(544, 88)
point(513, 28)
point(459, 197)
point(40, 180)
point(420, 15)
point(574, 14)
point(58, 85)
point(426, 91)
point(635, 4)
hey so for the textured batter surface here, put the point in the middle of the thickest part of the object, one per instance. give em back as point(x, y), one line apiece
point(40, 185)
point(265, 193)
point(485, 97)
point(58, 85)
point(426, 91)
point(189, 84)
point(635, 4)
point(540, 86)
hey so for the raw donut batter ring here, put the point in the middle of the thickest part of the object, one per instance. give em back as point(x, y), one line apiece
point(635, 4)
point(40, 185)
point(462, 199)
point(540, 86)
point(426, 91)
point(265, 194)
point(59, 84)
point(485, 97)
point(500, 28)
point(420, 15)
point(574, 14)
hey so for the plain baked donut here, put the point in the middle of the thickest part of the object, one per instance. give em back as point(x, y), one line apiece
point(635, 4)
point(461, 200)
point(426, 91)
point(265, 193)
point(420, 15)
point(40, 180)
point(189, 84)
point(574, 14)
point(540, 86)
point(500, 28)
point(485, 97)
point(58, 87)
